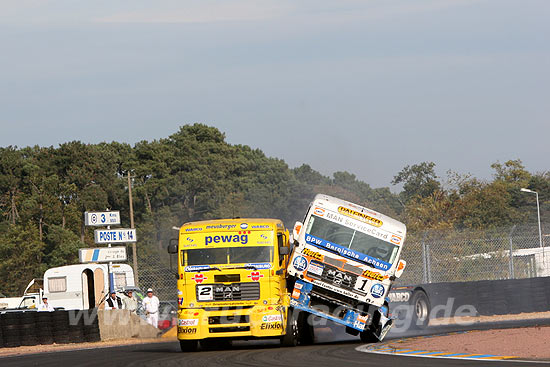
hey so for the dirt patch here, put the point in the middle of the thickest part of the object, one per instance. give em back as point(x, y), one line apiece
point(6, 352)
point(528, 343)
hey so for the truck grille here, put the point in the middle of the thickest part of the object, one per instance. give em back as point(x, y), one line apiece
point(235, 292)
point(339, 278)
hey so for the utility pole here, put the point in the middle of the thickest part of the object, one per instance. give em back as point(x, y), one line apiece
point(134, 249)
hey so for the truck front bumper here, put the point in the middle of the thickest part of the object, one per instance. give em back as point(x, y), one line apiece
point(304, 299)
point(247, 322)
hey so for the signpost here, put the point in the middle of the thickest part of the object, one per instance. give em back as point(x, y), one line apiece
point(101, 255)
point(107, 236)
point(118, 235)
point(102, 218)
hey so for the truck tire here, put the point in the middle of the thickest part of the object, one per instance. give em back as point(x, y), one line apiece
point(306, 334)
point(367, 336)
point(189, 345)
point(421, 309)
point(292, 329)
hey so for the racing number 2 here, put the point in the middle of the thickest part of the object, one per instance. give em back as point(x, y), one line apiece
point(205, 293)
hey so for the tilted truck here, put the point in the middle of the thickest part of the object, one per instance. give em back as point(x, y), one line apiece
point(344, 262)
point(232, 283)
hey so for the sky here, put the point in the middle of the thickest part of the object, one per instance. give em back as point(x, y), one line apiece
point(364, 86)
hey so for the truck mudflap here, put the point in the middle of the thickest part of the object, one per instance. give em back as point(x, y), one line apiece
point(384, 330)
point(301, 299)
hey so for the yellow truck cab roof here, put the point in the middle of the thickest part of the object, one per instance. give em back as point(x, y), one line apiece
point(220, 225)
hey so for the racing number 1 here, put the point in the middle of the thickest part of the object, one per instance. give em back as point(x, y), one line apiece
point(362, 287)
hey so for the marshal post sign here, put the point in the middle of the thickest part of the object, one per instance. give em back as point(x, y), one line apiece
point(118, 235)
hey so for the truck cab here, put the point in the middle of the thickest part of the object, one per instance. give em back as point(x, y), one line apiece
point(232, 282)
point(344, 262)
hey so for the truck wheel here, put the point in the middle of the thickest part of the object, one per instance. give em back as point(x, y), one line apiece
point(292, 336)
point(189, 345)
point(421, 309)
point(305, 325)
point(367, 336)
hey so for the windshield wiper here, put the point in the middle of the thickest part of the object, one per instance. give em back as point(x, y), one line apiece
point(244, 267)
point(209, 268)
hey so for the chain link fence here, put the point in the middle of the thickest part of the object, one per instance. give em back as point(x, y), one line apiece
point(156, 272)
point(432, 256)
point(457, 256)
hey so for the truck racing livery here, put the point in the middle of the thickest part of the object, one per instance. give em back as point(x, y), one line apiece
point(232, 283)
point(344, 262)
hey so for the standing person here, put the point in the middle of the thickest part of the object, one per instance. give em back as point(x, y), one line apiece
point(45, 306)
point(151, 305)
point(113, 302)
point(130, 303)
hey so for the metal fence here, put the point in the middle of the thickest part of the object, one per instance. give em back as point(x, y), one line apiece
point(154, 271)
point(432, 256)
point(456, 256)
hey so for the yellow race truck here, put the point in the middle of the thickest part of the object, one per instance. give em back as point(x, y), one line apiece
point(232, 284)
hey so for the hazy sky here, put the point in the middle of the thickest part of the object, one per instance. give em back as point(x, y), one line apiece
point(356, 85)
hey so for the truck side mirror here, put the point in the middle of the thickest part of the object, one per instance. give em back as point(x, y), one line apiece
point(400, 268)
point(173, 246)
point(296, 231)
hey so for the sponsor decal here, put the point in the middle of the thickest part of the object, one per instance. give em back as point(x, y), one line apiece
point(315, 268)
point(255, 276)
point(395, 239)
point(188, 322)
point(244, 225)
point(399, 296)
point(190, 239)
point(271, 326)
point(260, 265)
point(221, 226)
point(363, 319)
point(298, 285)
point(377, 290)
point(240, 238)
point(361, 216)
point(193, 229)
point(272, 318)
point(300, 263)
point(199, 278)
point(187, 330)
point(260, 226)
point(313, 254)
point(180, 301)
point(320, 212)
point(374, 275)
point(349, 253)
point(296, 294)
point(336, 289)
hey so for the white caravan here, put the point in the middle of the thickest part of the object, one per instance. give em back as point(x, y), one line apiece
point(84, 286)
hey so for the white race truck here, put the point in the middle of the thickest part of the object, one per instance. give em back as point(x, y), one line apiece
point(344, 262)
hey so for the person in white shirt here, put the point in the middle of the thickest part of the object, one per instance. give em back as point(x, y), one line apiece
point(129, 302)
point(113, 302)
point(45, 306)
point(151, 305)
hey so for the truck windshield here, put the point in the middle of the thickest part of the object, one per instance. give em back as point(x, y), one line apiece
point(229, 255)
point(352, 239)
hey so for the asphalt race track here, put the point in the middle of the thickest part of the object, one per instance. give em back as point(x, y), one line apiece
point(334, 354)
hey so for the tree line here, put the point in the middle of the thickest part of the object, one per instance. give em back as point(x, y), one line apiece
point(195, 174)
